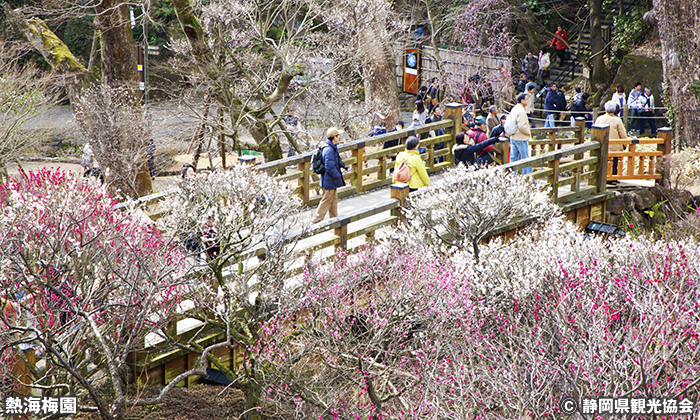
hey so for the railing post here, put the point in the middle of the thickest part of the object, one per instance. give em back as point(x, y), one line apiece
point(626, 117)
point(358, 154)
point(430, 162)
point(453, 112)
point(552, 141)
point(581, 124)
point(305, 180)
point(381, 175)
point(553, 179)
point(342, 232)
point(666, 134)
point(601, 134)
point(400, 192)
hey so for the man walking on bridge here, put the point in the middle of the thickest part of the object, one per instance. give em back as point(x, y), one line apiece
point(332, 178)
point(519, 148)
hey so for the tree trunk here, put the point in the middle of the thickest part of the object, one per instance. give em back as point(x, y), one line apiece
point(119, 64)
point(599, 73)
point(379, 75)
point(679, 25)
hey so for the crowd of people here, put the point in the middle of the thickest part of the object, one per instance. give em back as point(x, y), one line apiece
point(486, 127)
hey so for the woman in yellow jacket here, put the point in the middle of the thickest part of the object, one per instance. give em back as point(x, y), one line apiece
point(419, 176)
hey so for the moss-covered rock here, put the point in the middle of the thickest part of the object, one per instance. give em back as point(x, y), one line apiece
point(647, 71)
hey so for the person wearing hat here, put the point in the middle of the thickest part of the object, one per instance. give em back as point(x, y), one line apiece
point(331, 179)
point(478, 135)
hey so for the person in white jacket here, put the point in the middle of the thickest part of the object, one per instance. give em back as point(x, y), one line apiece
point(543, 62)
point(619, 97)
point(519, 146)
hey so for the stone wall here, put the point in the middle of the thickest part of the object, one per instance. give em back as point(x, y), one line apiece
point(651, 206)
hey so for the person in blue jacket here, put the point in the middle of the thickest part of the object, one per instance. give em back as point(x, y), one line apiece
point(332, 178)
point(551, 105)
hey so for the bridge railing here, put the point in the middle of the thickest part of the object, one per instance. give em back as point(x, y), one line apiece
point(550, 141)
point(369, 156)
point(571, 166)
point(639, 162)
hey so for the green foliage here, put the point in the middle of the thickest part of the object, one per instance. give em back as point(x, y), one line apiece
point(630, 30)
point(630, 223)
point(657, 217)
point(162, 19)
point(77, 34)
point(696, 87)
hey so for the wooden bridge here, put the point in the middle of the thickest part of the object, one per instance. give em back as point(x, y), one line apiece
point(576, 168)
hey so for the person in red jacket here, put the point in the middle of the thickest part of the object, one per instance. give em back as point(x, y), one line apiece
point(560, 45)
point(478, 135)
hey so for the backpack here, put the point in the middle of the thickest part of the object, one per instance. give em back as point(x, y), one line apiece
point(403, 173)
point(511, 125)
point(317, 164)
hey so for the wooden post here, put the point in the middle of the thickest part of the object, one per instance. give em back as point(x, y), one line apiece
point(430, 162)
point(381, 175)
point(304, 181)
point(400, 192)
point(581, 124)
point(666, 134)
point(342, 232)
point(601, 134)
point(596, 112)
point(553, 179)
point(358, 154)
point(453, 112)
point(552, 146)
point(626, 117)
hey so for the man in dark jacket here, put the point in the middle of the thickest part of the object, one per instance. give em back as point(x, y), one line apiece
point(579, 109)
point(561, 102)
point(499, 130)
point(433, 94)
point(331, 179)
point(551, 104)
point(465, 150)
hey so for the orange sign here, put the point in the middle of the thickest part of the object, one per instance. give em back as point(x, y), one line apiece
point(411, 71)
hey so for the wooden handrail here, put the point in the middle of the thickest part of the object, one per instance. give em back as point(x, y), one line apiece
point(634, 164)
point(357, 144)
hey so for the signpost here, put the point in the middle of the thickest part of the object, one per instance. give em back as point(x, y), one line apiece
point(411, 71)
